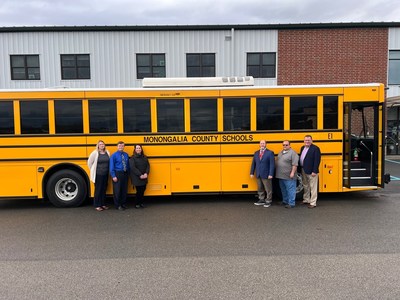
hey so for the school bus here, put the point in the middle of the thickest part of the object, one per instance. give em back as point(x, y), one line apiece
point(199, 134)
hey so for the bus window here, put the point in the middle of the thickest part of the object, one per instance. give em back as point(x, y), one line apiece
point(270, 113)
point(170, 117)
point(303, 112)
point(68, 116)
point(102, 116)
point(137, 115)
point(34, 117)
point(203, 115)
point(330, 112)
point(236, 114)
point(6, 117)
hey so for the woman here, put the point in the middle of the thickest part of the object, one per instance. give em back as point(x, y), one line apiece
point(139, 171)
point(98, 163)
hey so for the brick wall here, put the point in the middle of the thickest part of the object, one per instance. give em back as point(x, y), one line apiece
point(324, 56)
point(329, 56)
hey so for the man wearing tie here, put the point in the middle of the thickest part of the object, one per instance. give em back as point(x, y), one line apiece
point(310, 158)
point(263, 165)
point(119, 170)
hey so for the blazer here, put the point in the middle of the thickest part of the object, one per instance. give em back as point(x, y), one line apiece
point(312, 160)
point(265, 166)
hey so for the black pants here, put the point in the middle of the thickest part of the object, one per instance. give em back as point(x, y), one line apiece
point(140, 194)
point(100, 187)
point(120, 188)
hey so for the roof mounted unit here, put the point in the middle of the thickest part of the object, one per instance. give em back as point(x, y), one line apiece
point(197, 82)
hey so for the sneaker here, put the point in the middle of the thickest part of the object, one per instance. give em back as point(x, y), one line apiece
point(288, 206)
point(268, 201)
point(260, 202)
point(267, 204)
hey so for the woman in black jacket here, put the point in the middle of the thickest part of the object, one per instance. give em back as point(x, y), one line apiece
point(139, 171)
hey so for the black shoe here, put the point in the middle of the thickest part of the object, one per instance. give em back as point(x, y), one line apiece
point(137, 206)
point(121, 208)
point(142, 205)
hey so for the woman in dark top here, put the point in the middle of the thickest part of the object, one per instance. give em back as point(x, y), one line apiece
point(98, 163)
point(139, 171)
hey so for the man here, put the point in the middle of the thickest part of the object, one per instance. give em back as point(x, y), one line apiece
point(119, 170)
point(263, 164)
point(286, 170)
point(310, 158)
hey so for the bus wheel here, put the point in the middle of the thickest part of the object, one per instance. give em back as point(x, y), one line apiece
point(66, 188)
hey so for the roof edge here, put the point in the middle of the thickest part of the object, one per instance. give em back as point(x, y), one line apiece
point(291, 26)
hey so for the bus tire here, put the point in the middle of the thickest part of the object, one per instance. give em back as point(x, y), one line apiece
point(66, 188)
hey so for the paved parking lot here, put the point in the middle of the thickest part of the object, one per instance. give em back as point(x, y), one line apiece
point(205, 247)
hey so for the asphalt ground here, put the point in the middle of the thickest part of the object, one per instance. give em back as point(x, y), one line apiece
point(205, 247)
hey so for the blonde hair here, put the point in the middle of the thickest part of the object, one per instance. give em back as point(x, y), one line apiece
point(97, 146)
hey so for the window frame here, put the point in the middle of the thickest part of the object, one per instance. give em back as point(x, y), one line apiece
point(260, 65)
point(394, 63)
point(75, 68)
point(25, 66)
point(151, 66)
point(202, 66)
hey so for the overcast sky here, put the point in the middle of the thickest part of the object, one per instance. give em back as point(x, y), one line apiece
point(193, 12)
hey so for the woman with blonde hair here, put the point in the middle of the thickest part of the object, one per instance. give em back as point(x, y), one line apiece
point(98, 163)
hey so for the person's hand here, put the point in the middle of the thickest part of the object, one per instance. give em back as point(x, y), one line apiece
point(115, 179)
point(251, 175)
point(313, 174)
point(269, 177)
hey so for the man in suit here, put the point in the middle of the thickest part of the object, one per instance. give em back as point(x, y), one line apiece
point(263, 165)
point(310, 158)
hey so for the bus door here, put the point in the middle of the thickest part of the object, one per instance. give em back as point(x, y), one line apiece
point(363, 145)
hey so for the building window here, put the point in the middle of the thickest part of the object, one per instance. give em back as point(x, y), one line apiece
point(331, 113)
point(6, 117)
point(236, 114)
point(170, 117)
point(150, 65)
point(102, 116)
point(34, 117)
point(200, 65)
point(394, 67)
point(303, 113)
point(261, 65)
point(75, 66)
point(25, 67)
point(203, 115)
point(68, 116)
point(270, 113)
point(137, 115)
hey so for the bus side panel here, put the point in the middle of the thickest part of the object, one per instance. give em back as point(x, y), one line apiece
point(236, 175)
point(202, 175)
point(159, 179)
point(18, 181)
point(330, 175)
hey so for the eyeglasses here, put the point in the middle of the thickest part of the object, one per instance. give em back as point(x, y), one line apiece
point(285, 144)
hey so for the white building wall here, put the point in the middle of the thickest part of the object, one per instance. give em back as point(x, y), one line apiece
point(113, 54)
point(394, 44)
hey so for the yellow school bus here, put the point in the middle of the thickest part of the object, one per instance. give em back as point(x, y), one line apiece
point(199, 134)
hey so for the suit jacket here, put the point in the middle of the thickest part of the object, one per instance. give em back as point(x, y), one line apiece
point(265, 166)
point(312, 160)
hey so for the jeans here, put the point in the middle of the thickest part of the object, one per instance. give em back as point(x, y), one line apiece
point(288, 189)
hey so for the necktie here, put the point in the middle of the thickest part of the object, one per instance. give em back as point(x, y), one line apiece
point(261, 153)
point(123, 162)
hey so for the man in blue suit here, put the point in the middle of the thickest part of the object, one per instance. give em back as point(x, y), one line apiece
point(310, 158)
point(263, 165)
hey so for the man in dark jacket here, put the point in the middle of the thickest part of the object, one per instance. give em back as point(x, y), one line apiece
point(310, 158)
point(263, 165)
